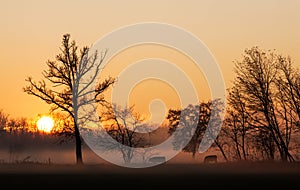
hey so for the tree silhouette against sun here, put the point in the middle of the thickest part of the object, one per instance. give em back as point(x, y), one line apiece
point(65, 75)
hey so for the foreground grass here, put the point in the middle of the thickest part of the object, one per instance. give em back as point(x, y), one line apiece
point(233, 175)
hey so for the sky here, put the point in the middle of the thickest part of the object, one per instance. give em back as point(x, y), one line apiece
point(31, 33)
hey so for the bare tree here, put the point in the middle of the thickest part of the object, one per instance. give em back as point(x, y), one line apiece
point(66, 74)
point(288, 84)
point(257, 81)
point(63, 127)
point(236, 125)
point(208, 112)
point(16, 125)
point(213, 109)
point(16, 128)
point(184, 137)
point(122, 125)
point(3, 120)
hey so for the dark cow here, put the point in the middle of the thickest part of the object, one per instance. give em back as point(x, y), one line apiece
point(210, 159)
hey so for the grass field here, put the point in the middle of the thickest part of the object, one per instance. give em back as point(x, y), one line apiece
point(198, 176)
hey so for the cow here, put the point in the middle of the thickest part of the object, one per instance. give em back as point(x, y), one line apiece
point(210, 159)
point(157, 159)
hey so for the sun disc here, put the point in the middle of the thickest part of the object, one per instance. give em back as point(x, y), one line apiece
point(45, 124)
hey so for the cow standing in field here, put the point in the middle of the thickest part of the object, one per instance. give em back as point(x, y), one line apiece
point(157, 159)
point(210, 159)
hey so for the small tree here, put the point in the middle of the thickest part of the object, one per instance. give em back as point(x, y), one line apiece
point(3, 120)
point(207, 111)
point(65, 74)
point(237, 123)
point(122, 125)
point(184, 135)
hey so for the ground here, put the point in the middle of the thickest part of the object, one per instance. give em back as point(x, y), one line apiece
point(217, 175)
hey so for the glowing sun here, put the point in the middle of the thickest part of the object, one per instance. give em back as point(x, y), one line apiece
point(45, 124)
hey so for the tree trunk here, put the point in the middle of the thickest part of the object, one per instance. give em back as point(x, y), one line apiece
point(222, 150)
point(243, 144)
point(78, 145)
point(194, 154)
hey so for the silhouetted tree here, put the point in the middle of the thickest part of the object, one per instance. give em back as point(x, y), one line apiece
point(16, 128)
point(16, 125)
point(184, 138)
point(3, 120)
point(66, 74)
point(63, 127)
point(189, 119)
point(260, 103)
point(288, 84)
point(236, 125)
point(122, 124)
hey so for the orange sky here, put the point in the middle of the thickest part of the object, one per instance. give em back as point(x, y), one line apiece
point(31, 33)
